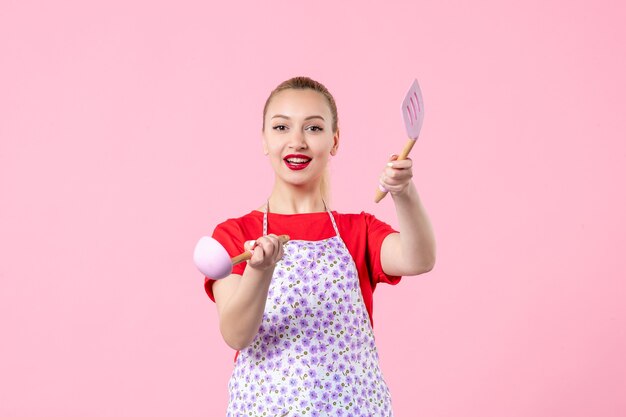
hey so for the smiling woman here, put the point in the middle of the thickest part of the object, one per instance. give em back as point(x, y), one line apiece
point(300, 313)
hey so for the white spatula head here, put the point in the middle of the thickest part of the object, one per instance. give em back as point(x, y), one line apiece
point(413, 111)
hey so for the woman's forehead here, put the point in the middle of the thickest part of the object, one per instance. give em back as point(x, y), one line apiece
point(298, 103)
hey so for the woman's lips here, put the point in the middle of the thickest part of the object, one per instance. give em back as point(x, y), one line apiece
point(297, 162)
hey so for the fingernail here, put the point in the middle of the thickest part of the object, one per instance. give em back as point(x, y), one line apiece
point(390, 164)
point(250, 242)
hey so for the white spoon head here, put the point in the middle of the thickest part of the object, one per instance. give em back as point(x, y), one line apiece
point(212, 259)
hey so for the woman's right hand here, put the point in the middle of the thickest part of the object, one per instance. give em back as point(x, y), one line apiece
point(266, 252)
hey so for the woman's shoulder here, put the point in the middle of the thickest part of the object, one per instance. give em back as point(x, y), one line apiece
point(246, 217)
point(241, 223)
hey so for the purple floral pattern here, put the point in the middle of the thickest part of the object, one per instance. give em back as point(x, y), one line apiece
point(314, 354)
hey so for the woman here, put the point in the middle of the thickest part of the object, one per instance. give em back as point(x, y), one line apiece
point(300, 314)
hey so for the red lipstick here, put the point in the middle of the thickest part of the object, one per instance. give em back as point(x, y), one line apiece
point(296, 162)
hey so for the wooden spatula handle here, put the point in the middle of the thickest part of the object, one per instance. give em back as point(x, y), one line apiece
point(405, 152)
point(247, 255)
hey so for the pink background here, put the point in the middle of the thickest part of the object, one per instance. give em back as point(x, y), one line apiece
point(128, 129)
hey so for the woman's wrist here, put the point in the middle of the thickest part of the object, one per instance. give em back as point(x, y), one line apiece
point(257, 273)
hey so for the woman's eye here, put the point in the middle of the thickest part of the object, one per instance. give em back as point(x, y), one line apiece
point(315, 128)
point(279, 127)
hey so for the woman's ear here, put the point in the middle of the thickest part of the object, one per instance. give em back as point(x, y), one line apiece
point(333, 150)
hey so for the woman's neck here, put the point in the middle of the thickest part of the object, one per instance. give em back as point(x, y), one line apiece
point(295, 200)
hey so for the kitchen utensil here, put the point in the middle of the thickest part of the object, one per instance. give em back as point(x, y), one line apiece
point(413, 115)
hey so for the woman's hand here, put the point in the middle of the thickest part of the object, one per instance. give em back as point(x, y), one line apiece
point(396, 176)
point(266, 252)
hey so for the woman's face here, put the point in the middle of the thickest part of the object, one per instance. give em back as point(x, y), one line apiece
point(298, 135)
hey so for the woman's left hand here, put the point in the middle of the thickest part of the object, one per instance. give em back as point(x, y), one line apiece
point(397, 175)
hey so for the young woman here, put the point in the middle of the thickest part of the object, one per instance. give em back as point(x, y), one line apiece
point(300, 314)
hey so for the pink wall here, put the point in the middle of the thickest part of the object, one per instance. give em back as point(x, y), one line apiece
point(130, 128)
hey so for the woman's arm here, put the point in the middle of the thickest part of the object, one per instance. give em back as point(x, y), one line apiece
point(241, 299)
point(412, 251)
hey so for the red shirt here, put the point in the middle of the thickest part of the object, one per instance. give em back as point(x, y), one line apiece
point(362, 233)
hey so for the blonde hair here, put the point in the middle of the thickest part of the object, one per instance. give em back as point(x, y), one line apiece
point(306, 83)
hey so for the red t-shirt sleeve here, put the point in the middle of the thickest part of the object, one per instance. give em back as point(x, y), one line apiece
point(377, 231)
point(230, 235)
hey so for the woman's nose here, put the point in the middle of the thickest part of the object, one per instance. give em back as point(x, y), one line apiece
point(297, 140)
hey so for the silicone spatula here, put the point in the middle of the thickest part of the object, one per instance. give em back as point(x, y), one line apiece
point(413, 114)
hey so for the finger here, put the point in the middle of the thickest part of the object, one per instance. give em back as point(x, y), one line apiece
point(274, 250)
point(250, 246)
point(257, 256)
point(382, 183)
point(394, 175)
point(400, 164)
point(275, 245)
point(279, 252)
point(268, 246)
point(274, 239)
point(382, 188)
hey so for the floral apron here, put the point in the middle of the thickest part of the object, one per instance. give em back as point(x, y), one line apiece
point(314, 354)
